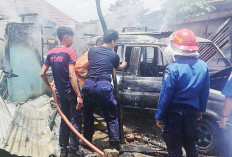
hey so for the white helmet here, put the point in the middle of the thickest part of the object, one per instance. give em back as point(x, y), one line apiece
point(172, 50)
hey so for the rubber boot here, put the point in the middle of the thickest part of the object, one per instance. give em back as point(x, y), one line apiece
point(63, 152)
point(75, 153)
point(115, 145)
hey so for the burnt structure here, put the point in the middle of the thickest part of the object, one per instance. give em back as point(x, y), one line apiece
point(140, 82)
point(203, 25)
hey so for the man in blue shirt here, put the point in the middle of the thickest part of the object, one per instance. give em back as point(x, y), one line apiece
point(184, 95)
point(98, 89)
point(62, 60)
point(227, 91)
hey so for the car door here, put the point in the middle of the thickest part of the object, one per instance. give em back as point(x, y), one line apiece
point(142, 79)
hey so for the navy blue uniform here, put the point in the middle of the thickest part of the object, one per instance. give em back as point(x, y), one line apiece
point(98, 90)
point(184, 93)
point(227, 91)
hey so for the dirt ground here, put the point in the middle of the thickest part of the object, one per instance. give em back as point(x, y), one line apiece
point(138, 122)
point(145, 146)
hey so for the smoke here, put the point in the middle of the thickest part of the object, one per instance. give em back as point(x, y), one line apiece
point(126, 14)
point(25, 49)
point(10, 11)
point(2, 41)
point(121, 14)
point(170, 16)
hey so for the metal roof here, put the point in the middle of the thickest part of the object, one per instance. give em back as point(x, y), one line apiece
point(6, 114)
point(149, 38)
point(42, 7)
point(5, 120)
point(145, 38)
point(147, 33)
point(29, 134)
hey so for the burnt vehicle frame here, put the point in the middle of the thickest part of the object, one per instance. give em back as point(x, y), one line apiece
point(140, 83)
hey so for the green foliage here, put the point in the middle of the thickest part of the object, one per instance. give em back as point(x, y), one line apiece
point(189, 8)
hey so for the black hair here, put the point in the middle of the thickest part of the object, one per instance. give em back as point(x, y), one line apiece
point(110, 35)
point(62, 31)
point(100, 39)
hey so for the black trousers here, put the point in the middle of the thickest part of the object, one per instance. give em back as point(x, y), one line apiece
point(180, 131)
point(68, 106)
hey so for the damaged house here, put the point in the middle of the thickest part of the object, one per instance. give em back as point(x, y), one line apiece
point(25, 27)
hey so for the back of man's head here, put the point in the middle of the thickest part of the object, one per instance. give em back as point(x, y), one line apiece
point(99, 41)
point(110, 35)
point(62, 31)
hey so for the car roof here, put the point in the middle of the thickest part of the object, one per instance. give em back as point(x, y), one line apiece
point(145, 38)
point(148, 38)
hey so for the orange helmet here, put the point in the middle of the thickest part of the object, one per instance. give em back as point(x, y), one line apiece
point(185, 39)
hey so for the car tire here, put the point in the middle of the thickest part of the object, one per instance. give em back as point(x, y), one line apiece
point(208, 140)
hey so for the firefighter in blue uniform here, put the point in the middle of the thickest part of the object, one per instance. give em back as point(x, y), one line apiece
point(227, 91)
point(97, 88)
point(184, 95)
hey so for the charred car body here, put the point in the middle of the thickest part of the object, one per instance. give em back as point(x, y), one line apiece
point(140, 82)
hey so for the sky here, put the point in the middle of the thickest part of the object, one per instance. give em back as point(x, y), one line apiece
point(85, 10)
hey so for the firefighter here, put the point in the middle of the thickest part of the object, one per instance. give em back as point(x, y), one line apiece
point(62, 60)
point(225, 115)
point(82, 64)
point(227, 104)
point(183, 96)
point(98, 89)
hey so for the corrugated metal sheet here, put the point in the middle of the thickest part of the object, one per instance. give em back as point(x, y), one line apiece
point(221, 37)
point(6, 112)
point(5, 120)
point(29, 134)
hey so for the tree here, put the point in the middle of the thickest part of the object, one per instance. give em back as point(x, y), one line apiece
point(189, 8)
point(176, 10)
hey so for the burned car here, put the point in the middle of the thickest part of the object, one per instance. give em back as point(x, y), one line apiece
point(140, 82)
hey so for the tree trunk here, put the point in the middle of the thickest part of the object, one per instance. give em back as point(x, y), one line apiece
point(101, 18)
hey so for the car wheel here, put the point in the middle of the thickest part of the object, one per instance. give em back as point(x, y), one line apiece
point(207, 137)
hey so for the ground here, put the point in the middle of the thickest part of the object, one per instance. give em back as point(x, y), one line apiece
point(143, 124)
point(29, 134)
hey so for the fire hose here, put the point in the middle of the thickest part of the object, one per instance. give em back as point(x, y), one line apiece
point(70, 125)
point(2, 57)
